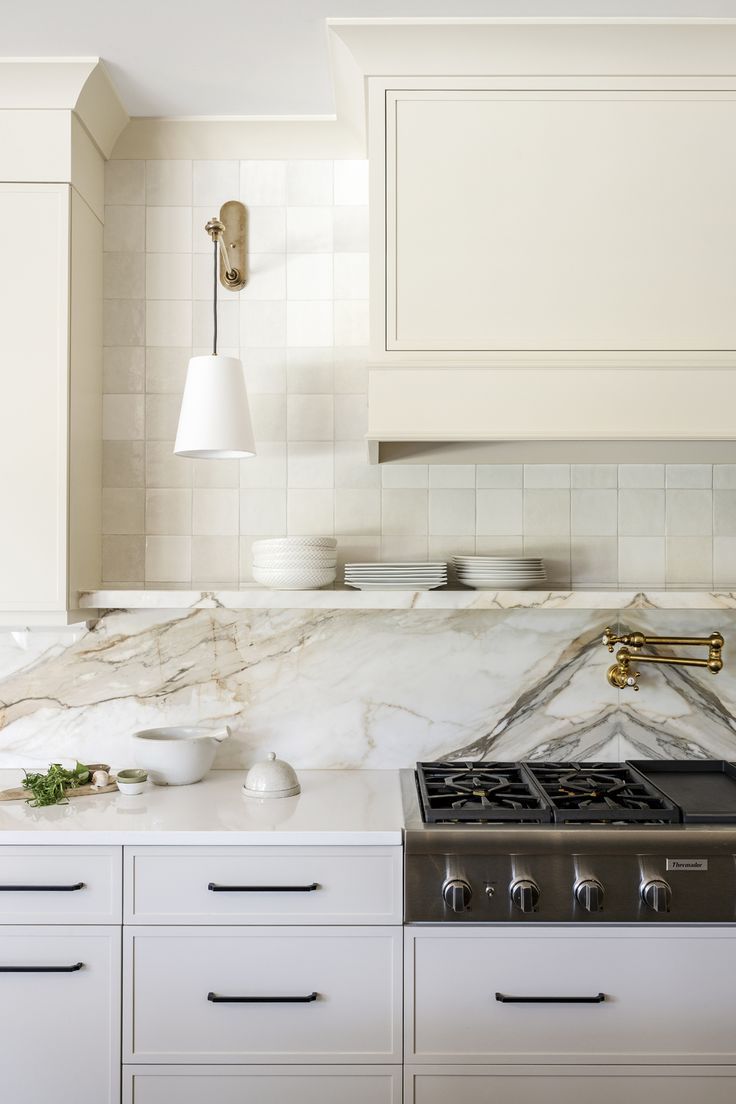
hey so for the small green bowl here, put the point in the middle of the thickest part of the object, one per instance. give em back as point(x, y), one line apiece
point(133, 774)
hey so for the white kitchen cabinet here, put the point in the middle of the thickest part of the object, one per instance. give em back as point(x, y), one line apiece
point(669, 995)
point(50, 401)
point(263, 885)
point(60, 885)
point(334, 994)
point(604, 1085)
point(60, 1014)
point(264, 1084)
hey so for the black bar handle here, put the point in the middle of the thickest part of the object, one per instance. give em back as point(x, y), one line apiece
point(42, 969)
point(215, 888)
point(262, 1000)
point(505, 999)
point(41, 888)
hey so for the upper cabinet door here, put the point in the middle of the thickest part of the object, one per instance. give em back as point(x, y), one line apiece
point(581, 222)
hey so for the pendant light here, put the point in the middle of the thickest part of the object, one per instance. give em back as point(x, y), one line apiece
point(214, 421)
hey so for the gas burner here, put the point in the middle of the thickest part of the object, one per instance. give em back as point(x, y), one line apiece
point(498, 793)
point(604, 793)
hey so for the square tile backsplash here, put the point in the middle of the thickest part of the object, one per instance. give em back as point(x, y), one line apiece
point(300, 327)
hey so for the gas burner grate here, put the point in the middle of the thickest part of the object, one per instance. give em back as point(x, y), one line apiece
point(480, 793)
point(601, 793)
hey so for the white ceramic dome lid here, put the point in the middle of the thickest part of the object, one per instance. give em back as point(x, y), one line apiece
point(271, 777)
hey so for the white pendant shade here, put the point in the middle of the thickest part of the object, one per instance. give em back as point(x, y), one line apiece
point(214, 423)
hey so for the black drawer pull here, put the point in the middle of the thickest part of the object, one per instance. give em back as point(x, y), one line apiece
point(42, 969)
point(215, 888)
point(505, 999)
point(262, 1000)
point(41, 888)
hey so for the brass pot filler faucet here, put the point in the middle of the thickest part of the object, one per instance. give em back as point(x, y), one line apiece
point(621, 674)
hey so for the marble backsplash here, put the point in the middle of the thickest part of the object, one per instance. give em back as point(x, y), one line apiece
point(350, 689)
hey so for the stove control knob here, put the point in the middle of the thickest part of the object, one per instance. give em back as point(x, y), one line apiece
point(457, 894)
point(658, 895)
point(525, 895)
point(589, 895)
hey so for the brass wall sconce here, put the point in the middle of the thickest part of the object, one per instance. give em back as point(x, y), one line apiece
point(621, 675)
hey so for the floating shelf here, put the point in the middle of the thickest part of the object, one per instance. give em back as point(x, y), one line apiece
point(261, 598)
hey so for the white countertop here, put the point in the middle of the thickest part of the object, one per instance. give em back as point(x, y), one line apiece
point(335, 807)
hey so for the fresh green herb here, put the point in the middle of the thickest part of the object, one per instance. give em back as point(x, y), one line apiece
point(50, 788)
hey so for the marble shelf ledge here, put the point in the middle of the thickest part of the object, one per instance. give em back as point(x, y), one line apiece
point(261, 598)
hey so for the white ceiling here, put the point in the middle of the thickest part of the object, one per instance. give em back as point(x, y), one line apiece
point(240, 57)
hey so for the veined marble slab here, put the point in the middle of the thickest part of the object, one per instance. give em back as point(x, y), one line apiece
point(261, 598)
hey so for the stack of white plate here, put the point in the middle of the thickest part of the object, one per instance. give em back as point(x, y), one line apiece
point(295, 563)
point(396, 576)
point(500, 572)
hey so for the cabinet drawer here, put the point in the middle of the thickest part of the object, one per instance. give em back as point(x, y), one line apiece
point(60, 1018)
point(60, 885)
point(604, 1085)
point(264, 1084)
point(263, 885)
point(334, 995)
point(669, 995)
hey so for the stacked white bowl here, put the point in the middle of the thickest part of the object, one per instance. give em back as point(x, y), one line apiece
point(295, 563)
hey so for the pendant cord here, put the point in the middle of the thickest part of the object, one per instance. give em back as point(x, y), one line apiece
point(214, 297)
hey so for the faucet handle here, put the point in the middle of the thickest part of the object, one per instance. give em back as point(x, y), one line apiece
point(609, 638)
point(631, 680)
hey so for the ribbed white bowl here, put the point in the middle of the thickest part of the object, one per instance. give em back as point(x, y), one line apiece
point(295, 560)
point(292, 544)
point(294, 579)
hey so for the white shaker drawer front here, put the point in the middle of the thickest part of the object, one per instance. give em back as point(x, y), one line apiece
point(603, 1085)
point(571, 995)
point(262, 1084)
point(60, 1015)
point(263, 885)
point(60, 885)
point(263, 995)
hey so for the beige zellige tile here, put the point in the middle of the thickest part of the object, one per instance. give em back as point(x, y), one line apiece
point(504, 476)
point(215, 182)
point(125, 229)
point(641, 475)
point(351, 275)
point(123, 322)
point(309, 323)
point(352, 469)
point(724, 562)
point(215, 512)
point(309, 276)
point(266, 229)
point(168, 183)
point(641, 561)
point(217, 473)
point(546, 475)
point(162, 417)
point(451, 511)
point(310, 371)
point(125, 181)
point(351, 183)
point(123, 370)
point(169, 276)
point(122, 417)
point(351, 417)
point(404, 512)
point(166, 369)
point(398, 549)
point(265, 370)
point(689, 561)
point(724, 476)
point(309, 417)
point(689, 475)
point(262, 323)
point(169, 511)
point(267, 468)
point(350, 233)
point(169, 322)
point(404, 476)
point(263, 183)
point(452, 475)
point(689, 513)
point(309, 183)
point(123, 464)
point(594, 476)
point(122, 510)
point(499, 545)
point(310, 513)
point(498, 512)
point(641, 512)
point(351, 370)
point(168, 559)
point(546, 512)
point(724, 513)
point(124, 276)
point(168, 230)
point(268, 416)
point(266, 277)
point(309, 229)
point(164, 469)
point(594, 561)
point(311, 464)
point(594, 512)
point(351, 322)
point(263, 511)
point(123, 560)
point(358, 512)
point(215, 560)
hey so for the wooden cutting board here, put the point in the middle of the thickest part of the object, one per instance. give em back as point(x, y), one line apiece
point(19, 794)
